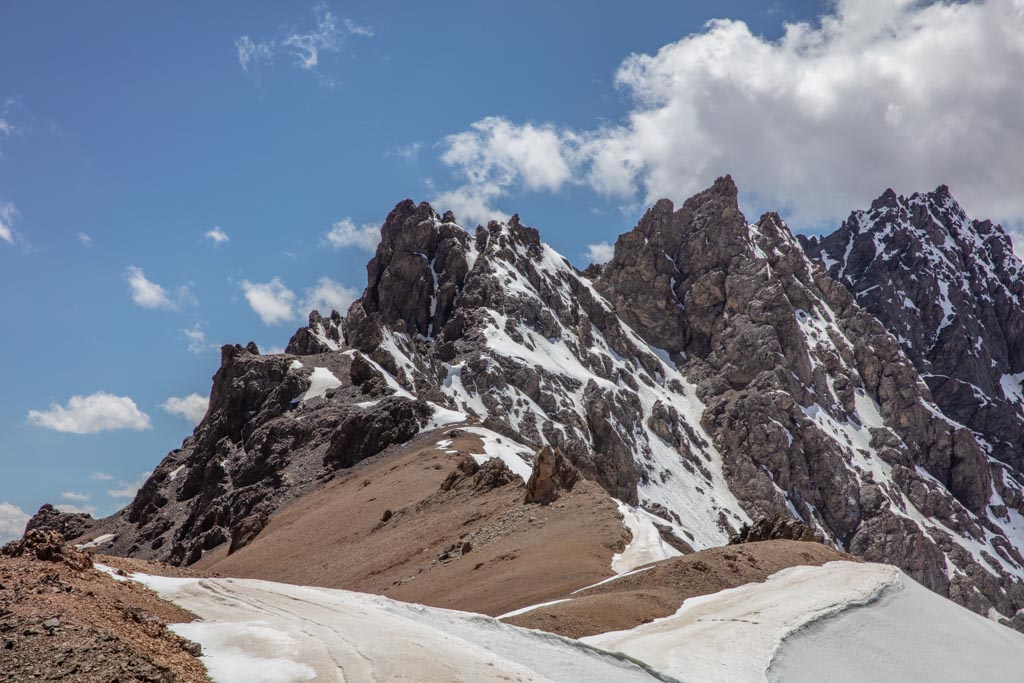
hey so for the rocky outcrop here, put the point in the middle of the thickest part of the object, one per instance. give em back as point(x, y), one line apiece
point(321, 335)
point(552, 474)
point(70, 525)
point(774, 528)
point(951, 290)
point(48, 546)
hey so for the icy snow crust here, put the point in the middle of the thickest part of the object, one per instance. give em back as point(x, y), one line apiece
point(910, 634)
point(733, 635)
point(263, 632)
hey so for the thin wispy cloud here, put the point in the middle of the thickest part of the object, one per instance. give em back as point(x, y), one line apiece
point(813, 124)
point(101, 476)
point(345, 233)
point(302, 47)
point(128, 489)
point(85, 239)
point(408, 153)
point(216, 236)
point(98, 412)
point(8, 215)
point(196, 337)
point(75, 496)
point(149, 294)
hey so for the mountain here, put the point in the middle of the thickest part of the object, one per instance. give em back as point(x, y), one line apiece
point(710, 375)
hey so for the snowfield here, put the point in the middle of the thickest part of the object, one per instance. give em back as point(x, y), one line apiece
point(264, 632)
point(843, 621)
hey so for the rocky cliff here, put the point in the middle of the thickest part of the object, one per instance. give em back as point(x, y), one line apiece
point(712, 373)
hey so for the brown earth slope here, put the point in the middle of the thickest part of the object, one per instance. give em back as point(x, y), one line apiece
point(62, 620)
point(425, 524)
point(649, 594)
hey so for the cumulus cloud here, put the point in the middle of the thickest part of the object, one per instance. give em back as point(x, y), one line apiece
point(191, 408)
point(328, 34)
point(344, 233)
point(12, 522)
point(272, 301)
point(76, 509)
point(97, 412)
point(878, 93)
point(601, 252)
point(149, 294)
point(128, 489)
point(217, 236)
point(275, 304)
point(329, 295)
point(496, 155)
point(8, 215)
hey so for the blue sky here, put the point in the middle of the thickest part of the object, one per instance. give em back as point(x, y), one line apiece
point(134, 134)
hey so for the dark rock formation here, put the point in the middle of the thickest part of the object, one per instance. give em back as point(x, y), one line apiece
point(70, 525)
point(774, 528)
point(322, 335)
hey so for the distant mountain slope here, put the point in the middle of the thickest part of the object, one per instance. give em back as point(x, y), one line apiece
point(710, 373)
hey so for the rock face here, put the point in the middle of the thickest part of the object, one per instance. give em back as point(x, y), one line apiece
point(70, 525)
point(552, 473)
point(951, 290)
point(774, 528)
point(711, 372)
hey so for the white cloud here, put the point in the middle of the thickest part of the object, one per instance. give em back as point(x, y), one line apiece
point(272, 350)
point(12, 522)
point(496, 155)
point(128, 489)
point(251, 53)
point(91, 414)
point(601, 252)
point(275, 304)
point(76, 496)
point(196, 337)
point(149, 294)
point(328, 295)
point(191, 407)
point(101, 476)
point(327, 35)
point(85, 239)
point(8, 214)
point(73, 508)
point(1017, 237)
point(344, 233)
point(217, 236)
point(409, 152)
point(272, 301)
point(880, 93)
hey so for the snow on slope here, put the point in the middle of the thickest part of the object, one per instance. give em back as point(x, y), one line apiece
point(733, 635)
point(910, 634)
point(264, 632)
point(646, 546)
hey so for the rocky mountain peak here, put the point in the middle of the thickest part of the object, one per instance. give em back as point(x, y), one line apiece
point(711, 373)
point(950, 289)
